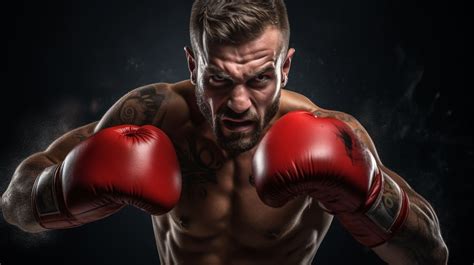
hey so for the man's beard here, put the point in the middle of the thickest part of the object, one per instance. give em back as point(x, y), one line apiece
point(237, 142)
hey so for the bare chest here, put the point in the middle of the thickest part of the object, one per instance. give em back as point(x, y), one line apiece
point(219, 200)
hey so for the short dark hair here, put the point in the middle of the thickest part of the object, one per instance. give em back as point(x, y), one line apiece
point(236, 21)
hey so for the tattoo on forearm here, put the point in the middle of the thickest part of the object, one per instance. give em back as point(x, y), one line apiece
point(420, 238)
point(80, 136)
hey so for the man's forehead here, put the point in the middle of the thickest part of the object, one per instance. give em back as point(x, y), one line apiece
point(266, 46)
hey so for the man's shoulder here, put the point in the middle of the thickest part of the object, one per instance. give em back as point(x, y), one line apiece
point(175, 101)
point(161, 104)
point(160, 91)
point(294, 101)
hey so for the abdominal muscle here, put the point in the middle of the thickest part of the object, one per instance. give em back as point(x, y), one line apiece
point(221, 220)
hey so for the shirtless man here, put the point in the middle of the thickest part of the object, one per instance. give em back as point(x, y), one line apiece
point(236, 169)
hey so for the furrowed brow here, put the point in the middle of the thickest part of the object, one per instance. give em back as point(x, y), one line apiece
point(264, 70)
point(215, 70)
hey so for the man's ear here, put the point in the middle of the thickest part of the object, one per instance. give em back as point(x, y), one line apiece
point(286, 66)
point(191, 64)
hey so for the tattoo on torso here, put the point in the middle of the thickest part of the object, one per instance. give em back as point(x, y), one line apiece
point(200, 159)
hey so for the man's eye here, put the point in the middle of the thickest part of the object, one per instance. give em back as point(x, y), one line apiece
point(217, 78)
point(261, 78)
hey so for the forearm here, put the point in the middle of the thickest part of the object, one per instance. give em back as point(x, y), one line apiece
point(16, 201)
point(419, 240)
point(400, 226)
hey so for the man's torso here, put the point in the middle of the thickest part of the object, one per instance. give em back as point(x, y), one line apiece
point(220, 219)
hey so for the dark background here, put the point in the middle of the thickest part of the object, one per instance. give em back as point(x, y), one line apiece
point(397, 66)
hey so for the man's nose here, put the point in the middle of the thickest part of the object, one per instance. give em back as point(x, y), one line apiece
point(239, 100)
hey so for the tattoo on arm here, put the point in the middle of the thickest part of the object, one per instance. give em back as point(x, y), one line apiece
point(420, 238)
point(139, 107)
point(58, 150)
point(81, 135)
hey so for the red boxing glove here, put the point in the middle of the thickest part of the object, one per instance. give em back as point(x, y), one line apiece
point(305, 154)
point(117, 166)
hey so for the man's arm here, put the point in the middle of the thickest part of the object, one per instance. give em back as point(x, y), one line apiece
point(16, 201)
point(140, 106)
point(419, 240)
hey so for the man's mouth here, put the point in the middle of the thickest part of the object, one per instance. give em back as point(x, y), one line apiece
point(237, 125)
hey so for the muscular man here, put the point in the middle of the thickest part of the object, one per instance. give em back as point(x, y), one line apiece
point(232, 167)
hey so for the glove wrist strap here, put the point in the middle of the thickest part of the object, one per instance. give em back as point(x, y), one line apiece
point(390, 208)
point(48, 201)
point(384, 217)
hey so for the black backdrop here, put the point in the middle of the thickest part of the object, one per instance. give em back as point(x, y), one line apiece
point(397, 66)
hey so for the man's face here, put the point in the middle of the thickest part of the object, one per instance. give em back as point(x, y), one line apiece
point(238, 87)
